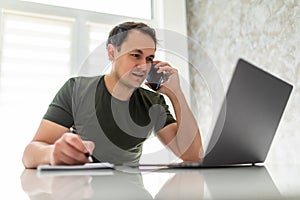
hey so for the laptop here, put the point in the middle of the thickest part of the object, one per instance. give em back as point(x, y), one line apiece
point(248, 119)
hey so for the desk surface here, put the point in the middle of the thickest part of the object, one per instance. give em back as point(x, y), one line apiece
point(128, 183)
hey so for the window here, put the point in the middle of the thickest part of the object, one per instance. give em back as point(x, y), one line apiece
point(124, 8)
point(41, 45)
point(97, 34)
point(35, 62)
point(36, 48)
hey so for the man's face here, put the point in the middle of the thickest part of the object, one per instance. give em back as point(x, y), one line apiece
point(133, 59)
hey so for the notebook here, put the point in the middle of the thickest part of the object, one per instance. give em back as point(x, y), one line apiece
point(86, 166)
point(248, 119)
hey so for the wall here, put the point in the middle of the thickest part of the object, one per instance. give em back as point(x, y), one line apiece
point(263, 32)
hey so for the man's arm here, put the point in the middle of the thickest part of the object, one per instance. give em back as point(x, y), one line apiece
point(53, 144)
point(183, 137)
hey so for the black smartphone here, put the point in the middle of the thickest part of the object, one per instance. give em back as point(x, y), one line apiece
point(154, 79)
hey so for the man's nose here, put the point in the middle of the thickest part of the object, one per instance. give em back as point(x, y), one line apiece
point(143, 65)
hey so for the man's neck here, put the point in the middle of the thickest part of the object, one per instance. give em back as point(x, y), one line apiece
point(117, 89)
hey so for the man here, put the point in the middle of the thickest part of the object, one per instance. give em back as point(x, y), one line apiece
point(112, 114)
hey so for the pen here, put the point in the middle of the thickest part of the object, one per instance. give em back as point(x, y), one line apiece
point(89, 157)
point(74, 130)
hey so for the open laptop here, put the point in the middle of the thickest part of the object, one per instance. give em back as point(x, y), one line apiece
point(248, 119)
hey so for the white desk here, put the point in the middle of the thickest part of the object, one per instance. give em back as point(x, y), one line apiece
point(217, 183)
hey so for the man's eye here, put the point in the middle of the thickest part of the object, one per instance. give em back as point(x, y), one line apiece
point(135, 55)
point(149, 59)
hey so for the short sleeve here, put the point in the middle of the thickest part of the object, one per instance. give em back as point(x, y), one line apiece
point(164, 114)
point(60, 109)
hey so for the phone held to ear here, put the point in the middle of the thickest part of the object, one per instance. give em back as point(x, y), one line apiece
point(154, 79)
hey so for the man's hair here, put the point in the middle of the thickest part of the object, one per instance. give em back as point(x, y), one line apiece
point(119, 33)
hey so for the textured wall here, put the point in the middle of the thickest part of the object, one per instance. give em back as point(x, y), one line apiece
point(266, 33)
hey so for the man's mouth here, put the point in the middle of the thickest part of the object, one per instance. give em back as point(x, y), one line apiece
point(137, 74)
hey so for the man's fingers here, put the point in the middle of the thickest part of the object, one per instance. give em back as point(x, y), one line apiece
point(90, 146)
point(70, 149)
point(76, 142)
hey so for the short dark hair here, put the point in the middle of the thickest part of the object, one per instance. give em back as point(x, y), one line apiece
point(119, 33)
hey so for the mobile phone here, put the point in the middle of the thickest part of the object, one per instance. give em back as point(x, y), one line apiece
point(154, 79)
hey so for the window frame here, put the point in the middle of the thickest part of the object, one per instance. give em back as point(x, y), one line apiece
point(162, 18)
point(79, 29)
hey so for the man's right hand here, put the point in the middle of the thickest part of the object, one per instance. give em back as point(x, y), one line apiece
point(70, 149)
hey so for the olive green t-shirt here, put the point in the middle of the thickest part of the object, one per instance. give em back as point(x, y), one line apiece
point(125, 124)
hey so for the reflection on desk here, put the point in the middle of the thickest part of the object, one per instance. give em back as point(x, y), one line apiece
point(226, 183)
point(113, 185)
point(241, 183)
point(215, 183)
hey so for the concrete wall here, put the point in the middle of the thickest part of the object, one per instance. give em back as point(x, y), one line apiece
point(266, 33)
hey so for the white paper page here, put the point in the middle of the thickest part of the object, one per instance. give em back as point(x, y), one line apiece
point(86, 166)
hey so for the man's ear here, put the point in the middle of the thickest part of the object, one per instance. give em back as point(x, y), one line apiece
point(111, 52)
